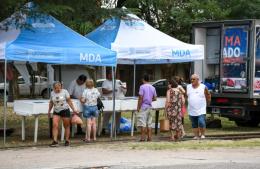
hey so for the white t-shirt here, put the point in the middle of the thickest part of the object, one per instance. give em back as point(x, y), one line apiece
point(76, 90)
point(120, 92)
point(91, 96)
point(60, 100)
point(197, 103)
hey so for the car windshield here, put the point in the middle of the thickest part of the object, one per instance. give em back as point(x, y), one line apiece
point(22, 81)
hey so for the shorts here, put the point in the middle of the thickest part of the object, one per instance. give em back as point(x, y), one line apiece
point(144, 118)
point(90, 111)
point(198, 121)
point(63, 113)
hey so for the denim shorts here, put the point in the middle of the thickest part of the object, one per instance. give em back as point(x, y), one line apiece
point(198, 121)
point(90, 111)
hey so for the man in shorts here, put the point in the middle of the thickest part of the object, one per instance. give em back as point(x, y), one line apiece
point(198, 98)
point(147, 94)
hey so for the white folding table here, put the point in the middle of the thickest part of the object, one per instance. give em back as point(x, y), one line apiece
point(37, 107)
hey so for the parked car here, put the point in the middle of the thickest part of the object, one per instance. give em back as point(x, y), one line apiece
point(41, 86)
point(160, 87)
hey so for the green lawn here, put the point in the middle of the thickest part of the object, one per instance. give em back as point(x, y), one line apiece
point(14, 121)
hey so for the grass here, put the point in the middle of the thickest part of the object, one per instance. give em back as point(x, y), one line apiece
point(193, 144)
point(229, 127)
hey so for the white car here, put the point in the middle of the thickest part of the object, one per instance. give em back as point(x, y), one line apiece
point(41, 87)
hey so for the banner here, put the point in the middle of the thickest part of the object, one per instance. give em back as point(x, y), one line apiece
point(257, 62)
point(234, 60)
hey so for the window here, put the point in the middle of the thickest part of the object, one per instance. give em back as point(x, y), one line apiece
point(20, 81)
point(44, 79)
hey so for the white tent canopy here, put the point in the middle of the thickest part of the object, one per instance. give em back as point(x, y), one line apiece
point(136, 42)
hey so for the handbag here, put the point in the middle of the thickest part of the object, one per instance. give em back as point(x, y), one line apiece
point(100, 104)
point(164, 123)
point(76, 119)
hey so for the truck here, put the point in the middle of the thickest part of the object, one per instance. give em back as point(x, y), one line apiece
point(231, 68)
point(41, 87)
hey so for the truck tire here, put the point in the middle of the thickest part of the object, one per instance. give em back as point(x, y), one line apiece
point(248, 123)
point(253, 121)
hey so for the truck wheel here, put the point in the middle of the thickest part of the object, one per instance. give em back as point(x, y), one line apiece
point(45, 94)
point(248, 123)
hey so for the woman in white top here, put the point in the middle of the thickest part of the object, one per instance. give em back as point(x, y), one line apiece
point(90, 111)
point(60, 102)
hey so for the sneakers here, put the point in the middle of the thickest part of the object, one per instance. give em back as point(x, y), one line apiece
point(54, 144)
point(202, 137)
point(195, 138)
point(67, 143)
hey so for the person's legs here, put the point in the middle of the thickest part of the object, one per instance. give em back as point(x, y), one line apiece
point(202, 125)
point(141, 123)
point(79, 128)
point(106, 117)
point(55, 127)
point(172, 135)
point(88, 129)
point(182, 128)
point(178, 134)
point(149, 134)
point(149, 119)
point(194, 123)
point(94, 128)
point(143, 129)
point(66, 124)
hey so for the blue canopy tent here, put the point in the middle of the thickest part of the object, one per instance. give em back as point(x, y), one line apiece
point(136, 42)
point(49, 41)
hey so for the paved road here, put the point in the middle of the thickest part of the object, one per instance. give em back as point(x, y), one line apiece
point(230, 165)
point(83, 157)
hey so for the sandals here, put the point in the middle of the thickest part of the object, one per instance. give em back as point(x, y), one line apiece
point(143, 140)
point(86, 140)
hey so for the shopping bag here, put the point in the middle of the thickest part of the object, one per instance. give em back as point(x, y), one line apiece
point(76, 119)
point(164, 124)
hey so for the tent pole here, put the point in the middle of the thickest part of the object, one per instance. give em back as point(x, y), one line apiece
point(114, 104)
point(5, 102)
point(114, 113)
point(134, 79)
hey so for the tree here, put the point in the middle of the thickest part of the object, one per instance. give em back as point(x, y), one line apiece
point(81, 15)
point(175, 17)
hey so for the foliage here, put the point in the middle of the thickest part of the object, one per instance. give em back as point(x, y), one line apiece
point(175, 17)
point(81, 15)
